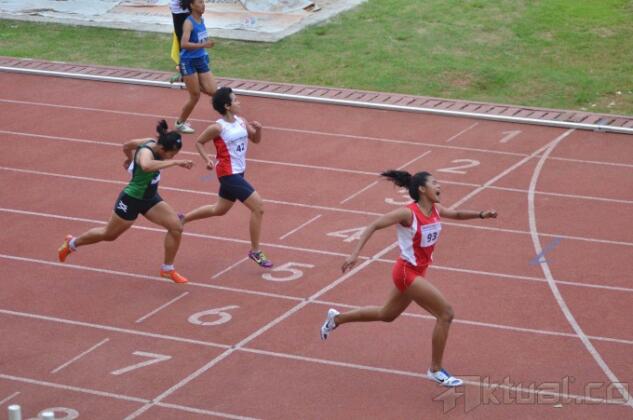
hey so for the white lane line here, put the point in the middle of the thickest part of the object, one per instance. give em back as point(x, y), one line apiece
point(491, 325)
point(314, 251)
point(88, 391)
point(336, 209)
point(298, 228)
point(501, 175)
point(279, 296)
point(549, 235)
point(257, 333)
point(71, 388)
point(145, 277)
point(312, 206)
point(194, 235)
point(324, 361)
point(161, 307)
point(362, 190)
point(9, 398)
point(80, 355)
point(520, 277)
point(281, 318)
point(359, 192)
point(111, 328)
point(465, 130)
point(299, 299)
point(203, 411)
point(230, 267)
point(518, 388)
point(563, 195)
point(552, 284)
point(273, 128)
point(590, 162)
point(313, 132)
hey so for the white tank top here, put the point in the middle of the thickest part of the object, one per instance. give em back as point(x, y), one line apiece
point(231, 147)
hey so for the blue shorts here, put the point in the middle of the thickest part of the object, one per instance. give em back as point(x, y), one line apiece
point(234, 187)
point(190, 66)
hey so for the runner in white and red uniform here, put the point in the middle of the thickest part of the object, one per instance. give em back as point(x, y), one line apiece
point(418, 227)
point(231, 147)
point(230, 135)
point(417, 242)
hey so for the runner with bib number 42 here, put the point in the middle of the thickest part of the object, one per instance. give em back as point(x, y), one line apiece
point(231, 135)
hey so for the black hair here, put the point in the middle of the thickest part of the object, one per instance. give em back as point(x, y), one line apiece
point(170, 140)
point(406, 180)
point(186, 4)
point(222, 99)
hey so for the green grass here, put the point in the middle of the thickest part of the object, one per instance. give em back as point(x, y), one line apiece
point(572, 54)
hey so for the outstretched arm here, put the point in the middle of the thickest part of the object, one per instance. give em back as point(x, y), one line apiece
point(402, 216)
point(147, 162)
point(466, 214)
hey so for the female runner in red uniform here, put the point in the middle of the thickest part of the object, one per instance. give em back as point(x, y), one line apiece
point(418, 228)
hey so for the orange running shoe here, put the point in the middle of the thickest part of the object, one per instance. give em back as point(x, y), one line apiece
point(64, 251)
point(173, 276)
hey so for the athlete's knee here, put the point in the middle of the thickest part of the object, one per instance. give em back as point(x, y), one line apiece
point(220, 210)
point(258, 209)
point(194, 96)
point(387, 315)
point(447, 314)
point(175, 228)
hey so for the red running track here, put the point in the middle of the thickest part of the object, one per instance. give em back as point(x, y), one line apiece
point(103, 337)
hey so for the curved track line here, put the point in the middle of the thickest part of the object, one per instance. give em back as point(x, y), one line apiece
point(550, 278)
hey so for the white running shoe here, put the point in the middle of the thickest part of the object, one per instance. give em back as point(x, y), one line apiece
point(329, 324)
point(444, 378)
point(184, 127)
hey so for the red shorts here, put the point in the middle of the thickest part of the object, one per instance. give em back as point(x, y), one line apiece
point(404, 273)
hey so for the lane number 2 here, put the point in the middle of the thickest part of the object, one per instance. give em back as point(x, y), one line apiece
point(458, 169)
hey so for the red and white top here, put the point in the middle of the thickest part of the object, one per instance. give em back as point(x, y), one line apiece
point(417, 240)
point(231, 147)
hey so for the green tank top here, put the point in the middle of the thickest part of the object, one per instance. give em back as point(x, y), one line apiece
point(143, 185)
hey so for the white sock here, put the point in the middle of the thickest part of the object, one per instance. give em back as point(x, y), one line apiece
point(166, 267)
point(72, 245)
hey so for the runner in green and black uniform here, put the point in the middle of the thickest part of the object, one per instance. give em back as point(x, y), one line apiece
point(145, 159)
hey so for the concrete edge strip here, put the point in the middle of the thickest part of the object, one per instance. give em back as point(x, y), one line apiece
point(598, 122)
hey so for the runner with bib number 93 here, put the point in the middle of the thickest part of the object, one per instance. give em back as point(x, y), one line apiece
point(418, 229)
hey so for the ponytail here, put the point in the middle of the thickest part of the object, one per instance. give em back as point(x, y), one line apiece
point(170, 140)
point(406, 180)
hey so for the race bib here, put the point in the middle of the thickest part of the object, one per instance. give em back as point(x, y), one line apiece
point(430, 234)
